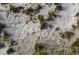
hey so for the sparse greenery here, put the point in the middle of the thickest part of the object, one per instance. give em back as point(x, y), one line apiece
point(10, 50)
point(67, 51)
point(66, 34)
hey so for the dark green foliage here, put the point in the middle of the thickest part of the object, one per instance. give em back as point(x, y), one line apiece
point(2, 26)
point(10, 50)
point(6, 35)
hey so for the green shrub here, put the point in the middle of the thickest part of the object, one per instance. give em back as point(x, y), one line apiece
point(40, 53)
point(39, 46)
point(58, 7)
point(66, 34)
point(29, 11)
point(40, 49)
point(15, 9)
point(38, 7)
point(57, 28)
point(51, 15)
point(77, 14)
point(10, 50)
point(43, 23)
point(77, 22)
point(76, 43)
point(2, 26)
point(5, 35)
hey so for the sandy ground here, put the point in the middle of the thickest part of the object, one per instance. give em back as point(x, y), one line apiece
point(23, 33)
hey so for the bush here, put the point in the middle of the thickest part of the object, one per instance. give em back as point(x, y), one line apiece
point(39, 46)
point(2, 26)
point(66, 34)
point(39, 49)
point(40, 53)
point(76, 43)
point(57, 28)
point(10, 50)
point(43, 24)
point(77, 14)
point(38, 7)
point(41, 18)
point(5, 35)
point(29, 11)
point(51, 15)
point(15, 9)
point(77, 22)
point(58, 7)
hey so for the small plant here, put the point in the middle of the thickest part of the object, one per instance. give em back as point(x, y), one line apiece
point(15, 9)
point(76, 43)
point(5, 34)
point(58, 7)
point(41, 18)
point(77, 14)
point(57, 28)
point(57, 3)
point(74, 27)
point(43, 24)
point(38, 7)
point(29, 11)
point(50, 16)
point(40, 53)
point(2, 26)
point(20, 7)
point(66, 34)
point(10, 50)
point(39, 49)
point(77, 22)
point(2, 45)
point(39, 46)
